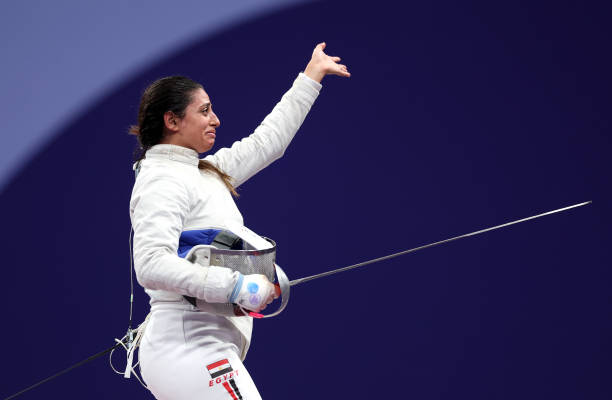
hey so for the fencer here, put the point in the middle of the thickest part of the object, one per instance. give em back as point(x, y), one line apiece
point(186, 353)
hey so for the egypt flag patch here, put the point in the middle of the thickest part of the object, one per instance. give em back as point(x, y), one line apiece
point(219, 368)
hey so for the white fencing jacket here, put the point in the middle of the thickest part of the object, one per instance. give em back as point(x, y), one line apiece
point(172, 195)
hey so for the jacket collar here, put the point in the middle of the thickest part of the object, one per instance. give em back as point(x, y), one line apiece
point(174, 153)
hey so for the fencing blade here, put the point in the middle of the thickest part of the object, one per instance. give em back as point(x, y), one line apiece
point(401, 253)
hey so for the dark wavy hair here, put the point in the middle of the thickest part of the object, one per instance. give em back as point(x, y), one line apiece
point(172, 93)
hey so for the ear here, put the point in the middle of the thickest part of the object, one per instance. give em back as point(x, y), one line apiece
point(171, 121)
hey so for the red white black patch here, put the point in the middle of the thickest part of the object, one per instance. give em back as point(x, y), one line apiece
point(219, 368)
point(221, 372)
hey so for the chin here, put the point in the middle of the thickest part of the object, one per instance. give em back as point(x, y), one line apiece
point(204, 149)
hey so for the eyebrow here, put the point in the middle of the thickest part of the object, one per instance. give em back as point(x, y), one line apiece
point(205, 105)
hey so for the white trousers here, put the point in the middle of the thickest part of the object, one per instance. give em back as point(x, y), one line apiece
point(186, 354)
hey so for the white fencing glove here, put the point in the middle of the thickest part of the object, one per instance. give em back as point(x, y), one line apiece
point(253, 292)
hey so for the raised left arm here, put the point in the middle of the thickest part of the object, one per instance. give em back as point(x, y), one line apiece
point(270, 140)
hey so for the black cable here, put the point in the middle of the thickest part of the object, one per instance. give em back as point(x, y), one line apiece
point(127, 339)
point(131, 278)
point(88, 359)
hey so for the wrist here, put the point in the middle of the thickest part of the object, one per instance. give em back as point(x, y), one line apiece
point(314, 73)
point(237, 287)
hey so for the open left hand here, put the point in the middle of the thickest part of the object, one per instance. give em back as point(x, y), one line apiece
point(321, 64)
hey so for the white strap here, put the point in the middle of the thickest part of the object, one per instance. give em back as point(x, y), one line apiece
point(248, 235)
point(133, 344)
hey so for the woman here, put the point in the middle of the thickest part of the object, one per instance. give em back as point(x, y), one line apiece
point(186, 353)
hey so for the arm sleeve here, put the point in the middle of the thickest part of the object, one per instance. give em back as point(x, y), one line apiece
point(270, 140)
point(159, 207)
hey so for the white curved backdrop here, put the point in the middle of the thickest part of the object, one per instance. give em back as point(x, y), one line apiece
point(61, 56)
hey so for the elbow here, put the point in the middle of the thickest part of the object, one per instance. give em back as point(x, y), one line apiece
point(145, 266)
point(142, 275)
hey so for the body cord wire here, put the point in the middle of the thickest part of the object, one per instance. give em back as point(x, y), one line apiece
point(88, 359)
point(127, 339)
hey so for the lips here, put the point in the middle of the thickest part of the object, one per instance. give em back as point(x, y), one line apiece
point(211, 134)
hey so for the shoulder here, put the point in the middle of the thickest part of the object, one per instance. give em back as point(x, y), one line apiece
point(155, 178)
point(154, 173)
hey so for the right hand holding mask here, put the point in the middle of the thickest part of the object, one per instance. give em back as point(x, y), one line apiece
point(254, 292)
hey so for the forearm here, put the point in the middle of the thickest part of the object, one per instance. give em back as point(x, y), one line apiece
point(160, 270)
point(272, 137)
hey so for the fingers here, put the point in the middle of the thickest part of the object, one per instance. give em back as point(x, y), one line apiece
point(318, 49)
point(322, 64)
point(271, 296)
point(342, 70)
point(269, 300)
point(338, 69)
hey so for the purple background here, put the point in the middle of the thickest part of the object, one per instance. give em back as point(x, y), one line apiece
point(457, 117)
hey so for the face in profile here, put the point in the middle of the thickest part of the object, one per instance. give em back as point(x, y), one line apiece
point(197, 129)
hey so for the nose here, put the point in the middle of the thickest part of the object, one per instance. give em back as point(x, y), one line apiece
point(215, 120)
